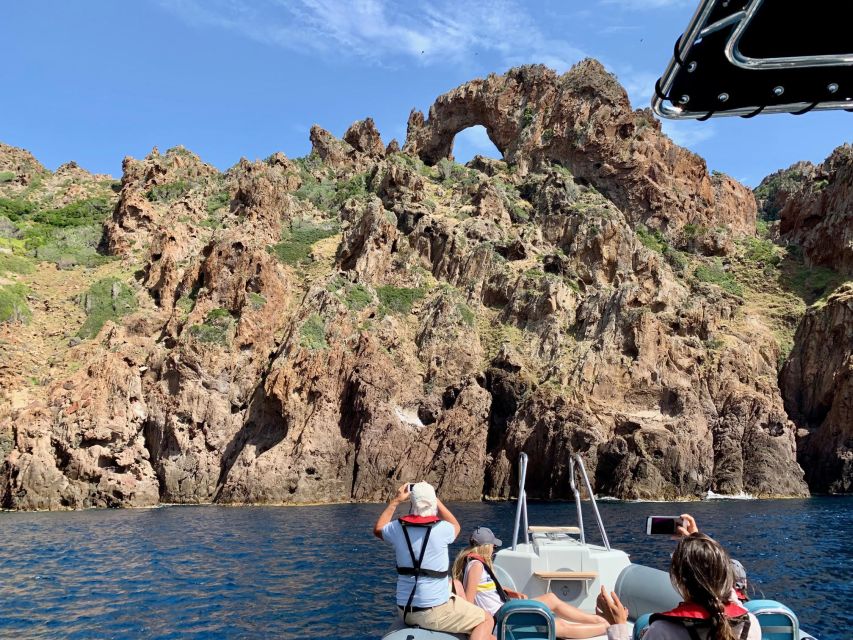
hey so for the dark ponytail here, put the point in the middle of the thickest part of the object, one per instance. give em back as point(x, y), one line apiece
point(701, 571)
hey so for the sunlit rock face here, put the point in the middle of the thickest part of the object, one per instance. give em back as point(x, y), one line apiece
point(326, 328)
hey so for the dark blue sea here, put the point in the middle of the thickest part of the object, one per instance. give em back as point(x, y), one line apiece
point(317, 572)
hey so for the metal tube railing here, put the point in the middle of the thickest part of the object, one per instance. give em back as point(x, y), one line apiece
point(521, 507)
point(577, 499)
point(592, 500)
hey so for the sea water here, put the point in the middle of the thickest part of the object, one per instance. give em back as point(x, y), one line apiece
point(317, 572)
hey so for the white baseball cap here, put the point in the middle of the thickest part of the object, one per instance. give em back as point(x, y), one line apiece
point(424, 502)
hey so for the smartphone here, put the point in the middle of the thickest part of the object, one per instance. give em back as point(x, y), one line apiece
point(411, 486)
point(664, 525)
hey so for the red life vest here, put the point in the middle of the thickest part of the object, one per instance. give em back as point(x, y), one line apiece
point(741, 595)
point(693, 616)
point(420, 520)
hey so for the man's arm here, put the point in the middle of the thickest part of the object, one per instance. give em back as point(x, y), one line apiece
point(385, 517)
point(444, 514)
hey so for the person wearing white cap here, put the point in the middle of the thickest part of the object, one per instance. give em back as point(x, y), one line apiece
point(420, 541)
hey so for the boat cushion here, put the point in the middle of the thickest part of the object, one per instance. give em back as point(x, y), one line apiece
point(777, 621)
point(525, 620)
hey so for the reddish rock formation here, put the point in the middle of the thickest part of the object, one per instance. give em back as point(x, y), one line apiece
point(322, 329)
point(815, 208)
point(584, 121)
point(817, 383)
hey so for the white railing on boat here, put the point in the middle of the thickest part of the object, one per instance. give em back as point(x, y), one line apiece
point(521, 505)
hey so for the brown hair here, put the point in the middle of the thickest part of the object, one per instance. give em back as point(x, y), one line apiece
point(482, 550)
point(702, 572)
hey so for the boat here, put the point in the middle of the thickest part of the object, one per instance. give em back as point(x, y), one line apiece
point(559, 559)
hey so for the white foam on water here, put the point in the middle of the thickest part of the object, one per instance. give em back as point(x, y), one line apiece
point(728, 496)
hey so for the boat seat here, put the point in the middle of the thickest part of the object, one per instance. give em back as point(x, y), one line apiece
point(777, 621)
point(566, 575)
point(525, 620)
point(548, 576)
point(575, 530)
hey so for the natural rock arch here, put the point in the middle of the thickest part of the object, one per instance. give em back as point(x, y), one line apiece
point(583, 120)
point(472, 142)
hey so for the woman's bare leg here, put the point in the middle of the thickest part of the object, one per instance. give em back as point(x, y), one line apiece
point(568, 612)
point(483, 631)
point(575, 630)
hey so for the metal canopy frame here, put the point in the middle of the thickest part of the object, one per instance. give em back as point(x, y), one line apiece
point(722, 25)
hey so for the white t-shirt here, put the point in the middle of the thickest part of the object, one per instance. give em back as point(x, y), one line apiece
point(431, 592)
point(487, 593)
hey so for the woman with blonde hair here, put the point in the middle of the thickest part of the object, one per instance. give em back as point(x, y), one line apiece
point(474, 570)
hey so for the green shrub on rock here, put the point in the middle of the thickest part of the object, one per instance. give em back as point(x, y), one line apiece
point(312, 334)
point(398, 299)
point(215, 328)
point(714, 273)
point(10, 263)
point(107, 299)
point(256, 300)
point(13, 303)
point(76, 214)
point(295, 246)
point(358, 297)
point(168, 192)
point(651, 239)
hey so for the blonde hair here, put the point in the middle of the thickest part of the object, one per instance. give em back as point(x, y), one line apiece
point(482, 550)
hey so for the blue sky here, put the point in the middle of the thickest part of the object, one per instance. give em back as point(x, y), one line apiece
point(97, 80)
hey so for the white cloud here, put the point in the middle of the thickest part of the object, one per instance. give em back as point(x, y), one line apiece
point(382, 31)
point(688, 133)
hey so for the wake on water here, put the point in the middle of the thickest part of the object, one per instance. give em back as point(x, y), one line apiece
point(710, 495)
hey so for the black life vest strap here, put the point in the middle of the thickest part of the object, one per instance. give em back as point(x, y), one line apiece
point(691, 631)
point(430, 573)
point(416, 568)
point(501, 593)
point(745, 630)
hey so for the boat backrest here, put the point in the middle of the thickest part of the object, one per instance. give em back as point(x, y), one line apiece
point(645, 590)
point(777, 621)
point(525, 620)
point(640, 626)
point(504, 578)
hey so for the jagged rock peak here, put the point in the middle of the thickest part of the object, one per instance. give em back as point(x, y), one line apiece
point(814, 204)
point(363, 136)
point(583, 121)
point(21, 163)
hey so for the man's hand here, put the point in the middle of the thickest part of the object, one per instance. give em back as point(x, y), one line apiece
point(609, 607)
point(385, 517)
point(688, 525)
point(402, 494)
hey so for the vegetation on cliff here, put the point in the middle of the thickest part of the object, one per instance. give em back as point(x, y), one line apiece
point(316, 329)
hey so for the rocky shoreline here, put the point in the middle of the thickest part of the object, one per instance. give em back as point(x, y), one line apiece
point(315, 330)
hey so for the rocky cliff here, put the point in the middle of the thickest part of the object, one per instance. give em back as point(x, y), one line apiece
point(814, 206)
point(320, 329)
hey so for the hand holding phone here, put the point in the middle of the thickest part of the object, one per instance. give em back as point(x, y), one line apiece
point(688, 525)
point(663, 525)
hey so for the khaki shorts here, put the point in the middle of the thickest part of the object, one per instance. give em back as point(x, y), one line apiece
point(457, 615)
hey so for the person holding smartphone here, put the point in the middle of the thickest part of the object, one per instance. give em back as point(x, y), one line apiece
point(420, 540)
point(701, 571)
